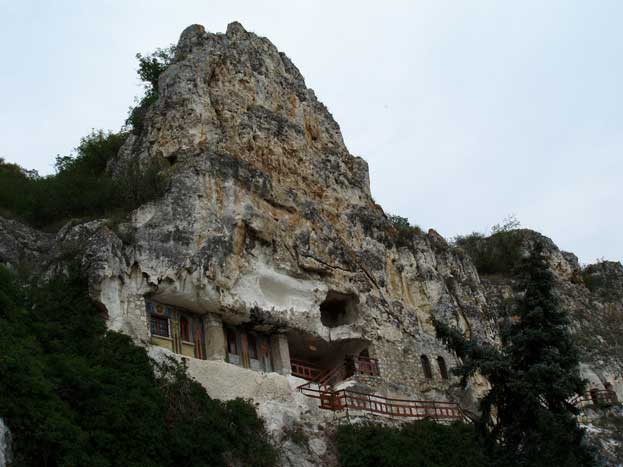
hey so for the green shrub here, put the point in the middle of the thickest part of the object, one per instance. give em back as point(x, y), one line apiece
point(82, 187)
point(402, 232)
point(73, 393)
point(593, 282)
point(417, 444)
point(601, 278)
point(150, 67)
point(499, 253)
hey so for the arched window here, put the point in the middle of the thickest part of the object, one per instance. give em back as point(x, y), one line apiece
point(428, 374)
point(441, 363)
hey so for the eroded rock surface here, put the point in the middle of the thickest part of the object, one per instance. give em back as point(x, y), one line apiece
point(593, 298)
point(268, 213)
point(268, 223)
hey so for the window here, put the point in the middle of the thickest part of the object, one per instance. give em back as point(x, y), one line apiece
point(252, 346)
point(184, 329)
point(366, 365)
point(441, 363)
point(428, 374)
point(159, 326)
point(232, 342)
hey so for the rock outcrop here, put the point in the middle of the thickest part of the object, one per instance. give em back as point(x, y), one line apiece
point(268, 214)
point(593, 298)
point(268, 226)
point(5, 445)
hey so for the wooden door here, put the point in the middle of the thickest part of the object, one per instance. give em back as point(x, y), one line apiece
point(199, 348)
point(244, 347)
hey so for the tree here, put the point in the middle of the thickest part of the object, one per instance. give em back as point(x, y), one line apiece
point(73, 393)
point(422, 443)
point(150, 67)
point(526, 419)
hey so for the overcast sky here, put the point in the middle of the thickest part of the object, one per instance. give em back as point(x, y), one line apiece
point(466, 111)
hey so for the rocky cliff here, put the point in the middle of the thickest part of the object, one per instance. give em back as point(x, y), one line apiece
point(268, 224)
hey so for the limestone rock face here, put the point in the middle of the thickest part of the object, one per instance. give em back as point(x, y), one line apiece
point(268, 223)
point(268, 214)
point(592, 296)
point(20, 244)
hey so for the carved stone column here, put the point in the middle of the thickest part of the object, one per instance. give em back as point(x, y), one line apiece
point(280, 354)
point(215, 337)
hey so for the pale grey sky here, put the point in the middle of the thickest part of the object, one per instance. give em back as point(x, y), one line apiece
point(466, 111)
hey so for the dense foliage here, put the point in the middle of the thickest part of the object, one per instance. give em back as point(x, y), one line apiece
point(74, 394)
point(526, 419)
point(402, 232)
point(81, 186)
point(499, 253)
point(150, 67)
point(417, 444)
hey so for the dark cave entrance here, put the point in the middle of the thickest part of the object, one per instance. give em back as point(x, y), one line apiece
point(338, 309)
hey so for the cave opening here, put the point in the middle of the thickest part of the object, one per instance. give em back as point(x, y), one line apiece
point(338, 309)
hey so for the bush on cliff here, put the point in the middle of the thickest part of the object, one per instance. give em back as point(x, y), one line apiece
point(73, 393)
point(150, 67)
point(499, 253)
point(417, 444)
point(402, 232)
point(81, 186)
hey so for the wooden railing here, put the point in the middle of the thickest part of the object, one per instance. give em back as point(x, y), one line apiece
point(305, 370)
point(596, 397)
point(322, 388)
point(354, 400)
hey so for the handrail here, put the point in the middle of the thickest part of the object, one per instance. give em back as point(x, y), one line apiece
point(301, 362)
point(355, 400)
point(303, 370)
point(595, 396)
point(398, 400)
point(350, 399)
point(322, 381)
point(325, 380)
